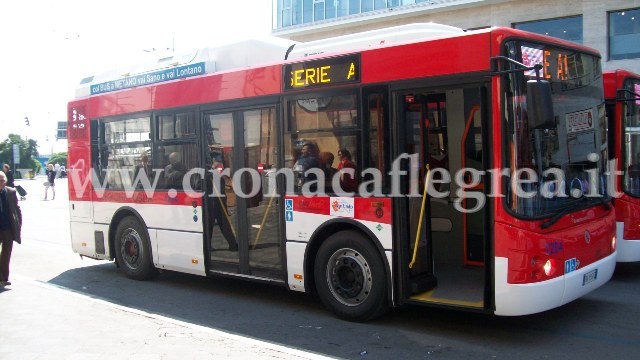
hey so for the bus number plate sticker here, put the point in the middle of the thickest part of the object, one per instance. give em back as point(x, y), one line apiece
point(570, 265)
point(589, 277)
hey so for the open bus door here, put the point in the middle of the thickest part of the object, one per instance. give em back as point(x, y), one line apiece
point(447, 248)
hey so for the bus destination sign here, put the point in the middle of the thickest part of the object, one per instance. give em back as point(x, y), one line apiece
point(557, 64)
point(318, 73)
point(149, 78)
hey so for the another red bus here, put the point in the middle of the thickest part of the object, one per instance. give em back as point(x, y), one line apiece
point(511, 219)
point(622, 94)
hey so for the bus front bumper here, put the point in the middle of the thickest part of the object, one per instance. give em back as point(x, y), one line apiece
point(524, 299)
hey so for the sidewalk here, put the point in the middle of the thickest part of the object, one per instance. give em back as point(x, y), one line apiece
point(43, 321)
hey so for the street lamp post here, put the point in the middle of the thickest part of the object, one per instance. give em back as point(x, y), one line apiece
point(51, 146)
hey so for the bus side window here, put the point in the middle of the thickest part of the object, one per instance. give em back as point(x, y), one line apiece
point(323, 125)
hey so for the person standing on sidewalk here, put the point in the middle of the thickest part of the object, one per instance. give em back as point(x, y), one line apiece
point(50, 183)
point(7, 171)
point(10, 226)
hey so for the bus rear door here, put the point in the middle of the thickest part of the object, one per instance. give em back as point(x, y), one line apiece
point(242, 232)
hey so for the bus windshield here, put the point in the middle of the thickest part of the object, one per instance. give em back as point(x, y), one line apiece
point(554, 165)
point(631, 139)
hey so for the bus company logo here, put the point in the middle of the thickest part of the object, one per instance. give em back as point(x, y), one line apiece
point(587, 236)
point(341, 207)
point(78, 119)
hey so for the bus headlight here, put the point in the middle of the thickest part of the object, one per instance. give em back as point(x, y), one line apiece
point(613, 243)
point(549, 267)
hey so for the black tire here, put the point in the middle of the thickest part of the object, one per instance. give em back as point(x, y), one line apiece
point(350, 277)
point(133, 250)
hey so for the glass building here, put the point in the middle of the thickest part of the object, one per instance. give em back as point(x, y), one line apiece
point(612, 27)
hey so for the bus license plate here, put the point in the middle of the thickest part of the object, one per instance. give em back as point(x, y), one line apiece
point(589, 277)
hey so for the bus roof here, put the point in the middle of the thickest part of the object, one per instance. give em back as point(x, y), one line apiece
point(247, 53)
point(374, 38)
point(271, 50)
point(251, 53)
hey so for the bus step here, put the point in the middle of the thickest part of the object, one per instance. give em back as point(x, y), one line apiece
point(422, 283)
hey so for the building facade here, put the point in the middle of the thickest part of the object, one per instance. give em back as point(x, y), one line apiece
point(612, 27)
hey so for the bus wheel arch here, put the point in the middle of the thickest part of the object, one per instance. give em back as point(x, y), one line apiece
point(346, 267)
point(130, 245)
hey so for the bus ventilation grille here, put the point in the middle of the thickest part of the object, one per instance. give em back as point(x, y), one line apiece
point(99, 238)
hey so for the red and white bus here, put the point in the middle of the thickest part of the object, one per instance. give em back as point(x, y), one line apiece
point(622, 94)
point(489, 110)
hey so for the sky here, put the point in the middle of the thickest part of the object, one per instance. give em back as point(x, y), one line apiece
point(49, 46)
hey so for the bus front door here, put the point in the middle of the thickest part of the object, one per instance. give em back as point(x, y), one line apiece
point(243, 227)
point(445, 245)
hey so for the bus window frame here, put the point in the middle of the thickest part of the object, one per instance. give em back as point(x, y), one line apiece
point(103, 147)
point(192, 139)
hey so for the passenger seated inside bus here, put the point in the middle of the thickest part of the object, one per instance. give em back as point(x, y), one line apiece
point(308, 159)
point(326, 164)
point(174, 172)
point(143, 169)
point(348, 183)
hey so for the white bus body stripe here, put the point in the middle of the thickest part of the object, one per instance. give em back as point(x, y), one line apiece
point(304, 224)
point(82, 236)
point(80, 210)
point(180, 251)
point(175, 217)
point(295, 265)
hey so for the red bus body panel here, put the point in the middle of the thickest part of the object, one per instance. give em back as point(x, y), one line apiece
point(210, 88)
point(454, 55)
point(627, 206)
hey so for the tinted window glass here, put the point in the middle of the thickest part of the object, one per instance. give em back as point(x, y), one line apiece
point(569, 28)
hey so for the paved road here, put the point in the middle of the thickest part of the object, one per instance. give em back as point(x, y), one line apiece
point(44, 319)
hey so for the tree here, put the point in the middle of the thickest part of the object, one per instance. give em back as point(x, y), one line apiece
point(60, 158)
point(28, 151)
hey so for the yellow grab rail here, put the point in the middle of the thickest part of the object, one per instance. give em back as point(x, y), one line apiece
point(424, 201)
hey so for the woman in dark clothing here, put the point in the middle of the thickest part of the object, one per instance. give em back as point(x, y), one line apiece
point(10, 179)
point(218, 206)
point(10, 182)
point(51, 178)
point(347, 182)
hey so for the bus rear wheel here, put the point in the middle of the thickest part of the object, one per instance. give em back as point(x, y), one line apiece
point(350, 277)
point(133, 251)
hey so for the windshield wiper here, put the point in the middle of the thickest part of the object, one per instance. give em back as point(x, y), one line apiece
point(571, 208)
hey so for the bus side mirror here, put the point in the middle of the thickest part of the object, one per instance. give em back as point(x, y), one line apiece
point(539, 104)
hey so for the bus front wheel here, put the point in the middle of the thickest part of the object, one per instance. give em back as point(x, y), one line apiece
point(350, 277)
point(133, 251)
